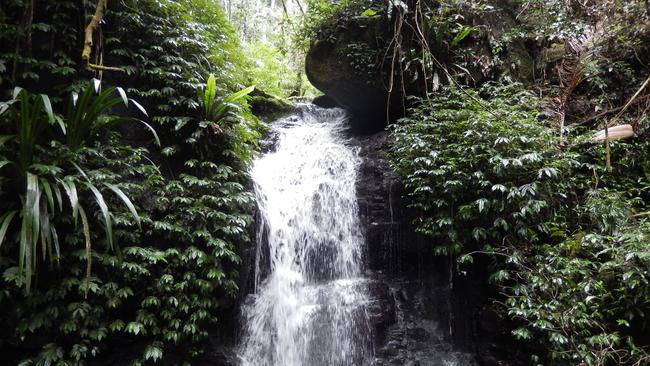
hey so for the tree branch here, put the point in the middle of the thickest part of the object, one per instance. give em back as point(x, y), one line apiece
point(90, 29)
point(88, 38)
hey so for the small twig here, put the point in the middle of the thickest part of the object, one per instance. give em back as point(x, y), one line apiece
point(609, 111)
point(608, 161)
point(104, 68)
point(629, 102)
point(302, 10)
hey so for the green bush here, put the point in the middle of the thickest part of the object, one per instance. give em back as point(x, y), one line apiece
point(488, 176)
point(43, 175)
point(163, 288)
point(484, 171)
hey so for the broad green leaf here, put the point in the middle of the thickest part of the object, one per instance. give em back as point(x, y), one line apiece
point(123, 96)
point(153, 352)
point(32, 204)
point(71, 191)
point(140, 107)
point(86, 231)
point(465, 31)
point(96, 85)
point(210, 93)
point(153, 131)
point(5, 138)
point(17, 91)
point(126, 201)
point(59, 121)
point(238, 95)
point(48, 193)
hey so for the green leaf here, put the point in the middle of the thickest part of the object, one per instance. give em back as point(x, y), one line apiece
point(48, 107)
point(153, 131)
point(368, 13)
point(210, 93)
point(71, 190)
point(17, 91)
point(238, 95)
point(123, 96)
point(5, 221)
point(96, 85)
point(464, 32)
point(134, 328)
point(126, 201)
point(86, 231)
point(30, 229)
point(140, 107)
point(108, 222)
point(153, 352)
point(48, 193)
point(5, 138)
point(59, 121)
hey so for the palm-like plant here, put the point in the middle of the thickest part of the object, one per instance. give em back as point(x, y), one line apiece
point(215, 108)
point(87, 113)
point(40, 184)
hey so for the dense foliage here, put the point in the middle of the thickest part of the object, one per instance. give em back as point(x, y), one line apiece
point(489, 177)
point(158, 284)
point(489, 164)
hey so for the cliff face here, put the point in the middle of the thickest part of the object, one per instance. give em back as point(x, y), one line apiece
point(424, 313)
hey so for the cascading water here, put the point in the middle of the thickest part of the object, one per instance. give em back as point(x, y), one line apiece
point(310, 310)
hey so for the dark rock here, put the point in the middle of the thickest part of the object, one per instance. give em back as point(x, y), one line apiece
point(330, 67)
point(519, 64)
point(351, 66)
point(489, 321)
point(325, 101)
point(427, 320)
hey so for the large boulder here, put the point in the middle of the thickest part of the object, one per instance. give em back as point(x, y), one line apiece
point(352, 61)
point(343, 68)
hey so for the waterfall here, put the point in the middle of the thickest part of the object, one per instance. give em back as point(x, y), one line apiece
point(309, 307)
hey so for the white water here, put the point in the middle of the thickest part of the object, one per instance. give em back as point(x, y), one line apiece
point(310, 308)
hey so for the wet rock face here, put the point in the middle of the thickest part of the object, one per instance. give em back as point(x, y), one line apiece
point(420, 317)
point(329, 69)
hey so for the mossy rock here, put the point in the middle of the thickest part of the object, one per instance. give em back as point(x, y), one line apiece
point(269, 107)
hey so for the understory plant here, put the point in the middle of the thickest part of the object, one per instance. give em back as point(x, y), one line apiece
point(566, 237)
point(483, 168)
point(39, 168)
point(172, 276)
